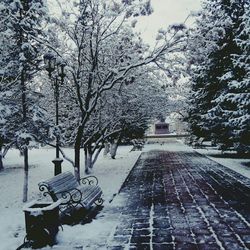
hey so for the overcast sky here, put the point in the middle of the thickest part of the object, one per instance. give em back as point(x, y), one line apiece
point(165, 12)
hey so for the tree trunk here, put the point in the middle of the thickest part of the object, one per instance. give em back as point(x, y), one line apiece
point(113, 149)
point(77, 161)
point(96, 155)
point(25, 151)
point(1, 159)
point(77, 149)
point(106, 149)
point(85, 156)
point(26, 175)
point(88, 161)
point(114, 146)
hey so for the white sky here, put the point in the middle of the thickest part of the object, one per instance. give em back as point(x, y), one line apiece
point(165, 13)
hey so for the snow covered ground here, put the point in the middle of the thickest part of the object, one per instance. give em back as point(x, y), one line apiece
point(111, 174)
point(229, 160)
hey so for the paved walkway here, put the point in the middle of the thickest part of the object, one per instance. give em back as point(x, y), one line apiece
point(182, 200)
point(176, 200)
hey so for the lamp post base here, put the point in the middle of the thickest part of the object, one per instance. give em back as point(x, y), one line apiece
point(58, 166)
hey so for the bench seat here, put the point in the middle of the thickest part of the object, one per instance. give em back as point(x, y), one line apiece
point(198, 143)
point(137, 145)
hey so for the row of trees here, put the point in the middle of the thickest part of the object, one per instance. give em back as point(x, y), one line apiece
point(219, 56)
point(110, 90)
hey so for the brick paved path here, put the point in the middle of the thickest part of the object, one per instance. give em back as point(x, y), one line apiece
point(182, 200)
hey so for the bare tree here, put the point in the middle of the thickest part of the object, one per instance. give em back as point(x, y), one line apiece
point(103, 51)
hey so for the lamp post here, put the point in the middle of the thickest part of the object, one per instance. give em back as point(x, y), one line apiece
point(50, 62)
point(50, 65)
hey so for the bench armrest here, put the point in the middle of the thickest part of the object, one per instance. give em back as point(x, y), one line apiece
point(44, 188)
point(89, 180)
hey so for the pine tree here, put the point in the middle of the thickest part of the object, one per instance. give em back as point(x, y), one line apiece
point(222, 107)
point(203, 54)
point(239, 89)
point(216, 99)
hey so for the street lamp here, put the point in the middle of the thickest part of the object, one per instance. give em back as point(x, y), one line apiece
point(50, 62)
point(50, 65)
point(60, 69)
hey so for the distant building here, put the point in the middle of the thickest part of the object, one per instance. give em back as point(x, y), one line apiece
point(161, 128)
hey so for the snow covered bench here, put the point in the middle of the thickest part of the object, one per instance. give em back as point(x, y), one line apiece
point(198, 143)
point(137, 145)
point(64, 187)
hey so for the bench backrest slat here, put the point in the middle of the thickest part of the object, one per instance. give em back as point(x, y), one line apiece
point(59, 177)
point(61, 182)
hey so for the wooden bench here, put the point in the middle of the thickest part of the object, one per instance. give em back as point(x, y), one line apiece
point(64, 187)
point(198, 143)
point(137, 145)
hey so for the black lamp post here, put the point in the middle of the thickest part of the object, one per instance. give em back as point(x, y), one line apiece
point(50, 65)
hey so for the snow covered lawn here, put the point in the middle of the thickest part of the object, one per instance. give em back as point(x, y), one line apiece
point(240, 165)
point(111, 174)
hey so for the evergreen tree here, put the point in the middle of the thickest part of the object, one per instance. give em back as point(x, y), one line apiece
point(203, 55)
point(223, 105)
point(216, 99)
point(239, 89)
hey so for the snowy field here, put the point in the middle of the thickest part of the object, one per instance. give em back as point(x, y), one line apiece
point(111, 174)
point(239, 165)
